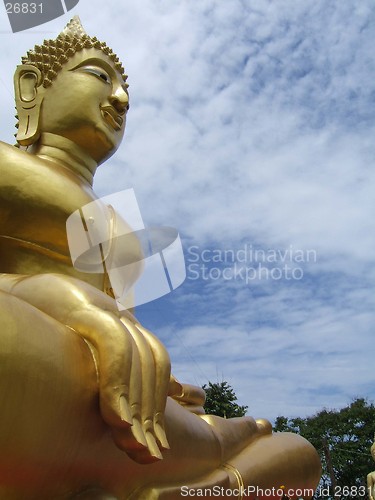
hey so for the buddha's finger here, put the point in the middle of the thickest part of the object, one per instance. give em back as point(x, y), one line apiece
point(114, 353)
point(133, 440)
point(148, 370)
point(162, 374)
point(175, 387)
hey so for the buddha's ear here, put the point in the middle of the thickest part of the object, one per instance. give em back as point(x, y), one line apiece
point(29, 96)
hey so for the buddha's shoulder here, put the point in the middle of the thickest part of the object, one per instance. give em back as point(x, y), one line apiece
point(14, 161)
point(12, 156)
point(8, 153)
point(40, 178)
point(17, 164)
point(14, 164)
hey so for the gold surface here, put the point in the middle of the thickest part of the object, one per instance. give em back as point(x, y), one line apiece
point(89, 408)
point(371, 477)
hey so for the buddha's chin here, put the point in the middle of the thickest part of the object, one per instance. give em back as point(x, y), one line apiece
point(102, 158)
point(109, 139)
point(102, 145)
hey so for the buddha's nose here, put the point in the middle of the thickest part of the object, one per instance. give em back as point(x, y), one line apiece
point(120, 100)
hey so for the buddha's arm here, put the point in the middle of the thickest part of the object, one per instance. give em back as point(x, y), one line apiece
point(133, 366)
point(52, 429)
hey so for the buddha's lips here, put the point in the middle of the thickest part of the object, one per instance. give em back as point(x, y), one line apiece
point(111, 116)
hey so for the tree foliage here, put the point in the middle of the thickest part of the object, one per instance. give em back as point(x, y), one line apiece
point(221, 401)
point(347, 433)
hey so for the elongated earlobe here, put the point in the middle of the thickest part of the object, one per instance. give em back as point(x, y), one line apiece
point(29, 96)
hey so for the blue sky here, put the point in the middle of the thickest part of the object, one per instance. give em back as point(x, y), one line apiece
point(251, 124)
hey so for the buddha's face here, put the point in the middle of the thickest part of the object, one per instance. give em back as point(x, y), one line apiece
point(87, 103)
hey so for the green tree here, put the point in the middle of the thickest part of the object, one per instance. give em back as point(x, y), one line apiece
point(342, 437)
point(221, 401)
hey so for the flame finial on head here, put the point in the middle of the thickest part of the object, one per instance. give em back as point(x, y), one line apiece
point(74, 28)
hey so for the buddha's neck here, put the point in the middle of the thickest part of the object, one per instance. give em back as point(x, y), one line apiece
point(66, 153)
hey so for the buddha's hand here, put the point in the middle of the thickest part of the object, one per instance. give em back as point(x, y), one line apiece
point(371, 485)
point(191, 397)
point(133, 365)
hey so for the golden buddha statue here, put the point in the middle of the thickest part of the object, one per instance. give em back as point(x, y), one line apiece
point(89, 406)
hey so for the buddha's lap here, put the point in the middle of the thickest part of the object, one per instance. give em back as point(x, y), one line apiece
point(50, 420)
point(51, 424)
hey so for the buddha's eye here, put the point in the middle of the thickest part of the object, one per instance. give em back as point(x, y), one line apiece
point(98, 72)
